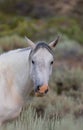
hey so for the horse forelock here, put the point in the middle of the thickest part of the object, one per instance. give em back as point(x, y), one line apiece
point(41, 45)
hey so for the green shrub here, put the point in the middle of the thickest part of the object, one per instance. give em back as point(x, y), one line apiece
point(12, 42)
point(40, 29)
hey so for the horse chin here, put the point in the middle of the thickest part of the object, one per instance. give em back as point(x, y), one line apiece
point(38, 94)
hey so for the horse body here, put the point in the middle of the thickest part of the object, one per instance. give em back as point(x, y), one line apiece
point(22, 70)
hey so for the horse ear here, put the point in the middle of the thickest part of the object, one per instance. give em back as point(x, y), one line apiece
point(30, 43)
point(54, 43)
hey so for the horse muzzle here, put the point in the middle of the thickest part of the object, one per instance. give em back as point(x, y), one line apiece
point(41, 90)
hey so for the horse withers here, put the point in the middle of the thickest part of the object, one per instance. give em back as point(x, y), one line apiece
point(21, 70)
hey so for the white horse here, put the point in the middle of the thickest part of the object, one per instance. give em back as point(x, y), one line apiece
point(22, 70)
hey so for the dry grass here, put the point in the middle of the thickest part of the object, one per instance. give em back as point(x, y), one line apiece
point(30, 121)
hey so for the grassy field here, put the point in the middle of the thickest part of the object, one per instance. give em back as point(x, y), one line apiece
point(62, 107)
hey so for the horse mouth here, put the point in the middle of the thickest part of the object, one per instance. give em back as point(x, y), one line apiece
point(37, 94)
point(42, 91)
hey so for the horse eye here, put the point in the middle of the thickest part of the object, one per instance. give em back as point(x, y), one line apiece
point(33, 62)
point(51, 62)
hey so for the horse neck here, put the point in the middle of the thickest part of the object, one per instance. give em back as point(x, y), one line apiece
point(22, 74)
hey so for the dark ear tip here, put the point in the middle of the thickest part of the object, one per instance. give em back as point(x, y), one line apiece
point(56, 41)
point(58, 37)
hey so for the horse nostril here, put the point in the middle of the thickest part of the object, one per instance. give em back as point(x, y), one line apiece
point(41, 89)
point(46, 91)
point(37, 88)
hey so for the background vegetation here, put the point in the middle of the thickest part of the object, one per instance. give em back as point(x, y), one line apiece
point(62, 107)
